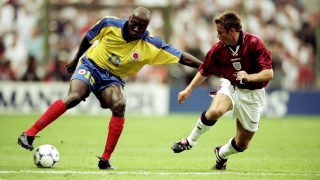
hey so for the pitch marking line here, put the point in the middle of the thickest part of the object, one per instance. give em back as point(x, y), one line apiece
point(158, 173)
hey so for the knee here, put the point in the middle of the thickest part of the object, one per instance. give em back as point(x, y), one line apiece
point(72, 100)
point(118, 108)
point(214, 114)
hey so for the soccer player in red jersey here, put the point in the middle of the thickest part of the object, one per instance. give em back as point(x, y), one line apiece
point(243, 64)
point(123, 48)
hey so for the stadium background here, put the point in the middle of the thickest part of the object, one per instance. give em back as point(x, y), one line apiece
point(38, 38)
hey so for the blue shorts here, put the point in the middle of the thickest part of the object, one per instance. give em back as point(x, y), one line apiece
point(97, 78)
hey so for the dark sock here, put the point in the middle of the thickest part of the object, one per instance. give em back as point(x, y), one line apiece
point(205, 121)
point(234, 145)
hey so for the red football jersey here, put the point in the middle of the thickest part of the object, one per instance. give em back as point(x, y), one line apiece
point(251, 56)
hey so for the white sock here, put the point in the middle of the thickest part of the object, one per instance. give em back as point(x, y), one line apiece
point(226, 150)
point(199, 129)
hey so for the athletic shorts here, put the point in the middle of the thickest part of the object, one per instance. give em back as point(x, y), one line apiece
point(247, 104)
point(96, 78)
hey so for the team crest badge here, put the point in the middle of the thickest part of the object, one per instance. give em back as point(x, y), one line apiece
point(237, 65)
point(136, 56)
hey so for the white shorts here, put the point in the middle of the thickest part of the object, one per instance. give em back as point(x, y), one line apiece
point(247, 104)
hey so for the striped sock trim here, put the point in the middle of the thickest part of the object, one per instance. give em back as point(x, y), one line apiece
point(234, 145)
point(205, 121)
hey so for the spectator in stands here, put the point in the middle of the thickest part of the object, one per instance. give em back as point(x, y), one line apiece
point(2, 48)
point(15, 52)
point(6, 72)
point(31, 72)
point(57, 71)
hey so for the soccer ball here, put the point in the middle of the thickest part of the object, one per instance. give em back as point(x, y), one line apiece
point(46, 156)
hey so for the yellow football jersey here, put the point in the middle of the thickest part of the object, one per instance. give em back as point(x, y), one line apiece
point(122, 58)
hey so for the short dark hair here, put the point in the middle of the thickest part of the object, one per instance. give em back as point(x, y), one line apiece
point(229, 20)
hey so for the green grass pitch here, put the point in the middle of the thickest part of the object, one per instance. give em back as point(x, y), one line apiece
point(283, 148)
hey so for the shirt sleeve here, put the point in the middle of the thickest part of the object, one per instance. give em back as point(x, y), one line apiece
point(98, 30)
point(209, 65)
point(164, 53)
point(262, 55)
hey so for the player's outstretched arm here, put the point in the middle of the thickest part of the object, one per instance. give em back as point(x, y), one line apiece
point(84, 45)
point(196, 81)
point(264, 75)
point(189, 60)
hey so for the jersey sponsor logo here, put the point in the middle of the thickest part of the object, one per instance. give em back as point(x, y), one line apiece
point(135, 56)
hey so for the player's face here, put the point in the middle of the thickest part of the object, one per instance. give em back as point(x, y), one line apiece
point(137, 25)
point(224, 36)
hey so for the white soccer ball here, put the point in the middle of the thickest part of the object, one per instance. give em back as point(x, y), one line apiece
point(46, 156)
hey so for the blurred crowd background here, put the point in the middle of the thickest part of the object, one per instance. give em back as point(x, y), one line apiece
point(38, 37)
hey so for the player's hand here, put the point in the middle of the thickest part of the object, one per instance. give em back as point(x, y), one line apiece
point(71, 66)
point(183, 95)
point(242, 76)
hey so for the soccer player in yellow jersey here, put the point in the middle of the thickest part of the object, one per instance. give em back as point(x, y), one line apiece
point(123, 48)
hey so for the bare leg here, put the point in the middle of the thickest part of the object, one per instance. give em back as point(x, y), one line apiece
point(220, 104)
point(237, 144)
